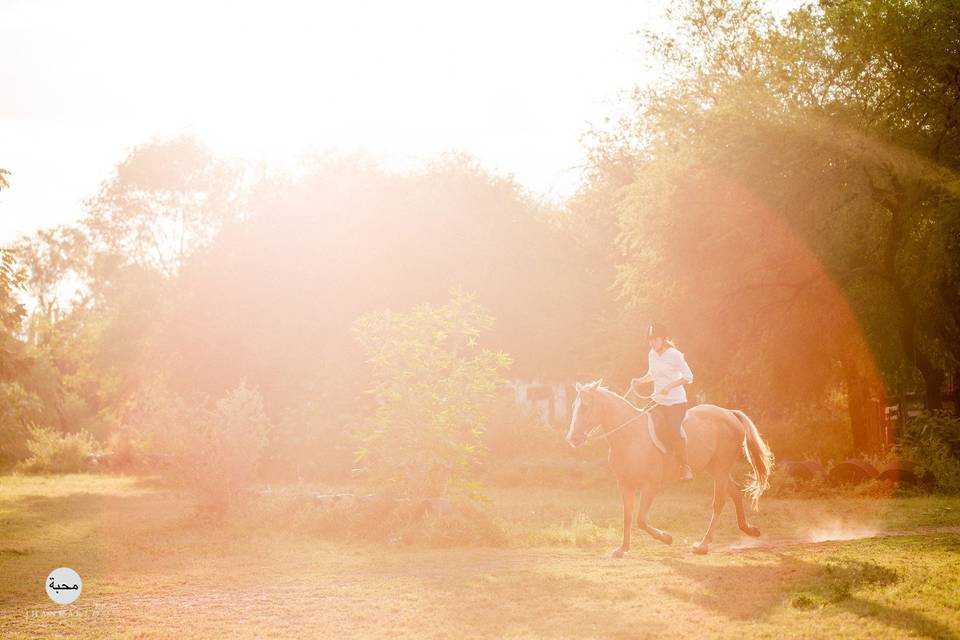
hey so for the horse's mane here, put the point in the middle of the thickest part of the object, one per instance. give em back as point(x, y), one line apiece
point(598, 385)
point(619, 397)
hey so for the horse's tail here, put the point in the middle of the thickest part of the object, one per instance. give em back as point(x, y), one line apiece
point(758, 455)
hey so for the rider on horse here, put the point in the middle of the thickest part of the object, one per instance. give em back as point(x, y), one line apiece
point(668, 370)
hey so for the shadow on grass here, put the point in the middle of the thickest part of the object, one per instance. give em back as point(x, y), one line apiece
point(749, 591)
point(80, 526)
point(30, 514)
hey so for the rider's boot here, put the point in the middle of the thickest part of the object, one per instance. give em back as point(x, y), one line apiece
point(686, 473)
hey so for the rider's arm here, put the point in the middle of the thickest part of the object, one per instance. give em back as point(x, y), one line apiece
point(642, 380)
point(686, 376)
point(647, 377)
point(676, 383)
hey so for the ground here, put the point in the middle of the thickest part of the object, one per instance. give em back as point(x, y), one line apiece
point(153, 569)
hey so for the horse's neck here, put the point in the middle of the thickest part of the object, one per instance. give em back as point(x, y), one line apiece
point(616, 407)
point(617, 411)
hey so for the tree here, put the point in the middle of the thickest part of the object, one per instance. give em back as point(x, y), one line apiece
point(347, 237)
point(54, 259)
point(794, 195)
point(11, 310)
point(166, 200)
point(896, 71)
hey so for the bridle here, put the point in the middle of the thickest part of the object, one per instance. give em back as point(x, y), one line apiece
point(598, 432)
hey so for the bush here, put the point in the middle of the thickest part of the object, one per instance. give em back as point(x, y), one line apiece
point(820, 431)
point(514, 431)
point(227, 449)
point(434, 386)
point(525, 452)
point(311, 441)
point(55, 452)
point(158, 425)
point(212, 450)
point(932, 442)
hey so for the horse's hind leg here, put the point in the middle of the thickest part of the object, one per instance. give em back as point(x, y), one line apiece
point(736, 494)
point(646, 499)
point(719, 497)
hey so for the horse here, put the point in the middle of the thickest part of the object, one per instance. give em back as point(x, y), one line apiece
point(715, 437)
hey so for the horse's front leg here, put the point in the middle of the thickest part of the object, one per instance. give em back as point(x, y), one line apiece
point(626, 493)
point(647, 495)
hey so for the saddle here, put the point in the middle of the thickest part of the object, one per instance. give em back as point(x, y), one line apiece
point(671, 465)
point(662, 437)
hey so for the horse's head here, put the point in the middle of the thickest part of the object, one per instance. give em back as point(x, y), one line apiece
point(586, 412)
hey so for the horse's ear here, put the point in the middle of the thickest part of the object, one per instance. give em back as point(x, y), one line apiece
point(579, 387)
point(599, 383)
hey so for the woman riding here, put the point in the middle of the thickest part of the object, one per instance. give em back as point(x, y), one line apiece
point(668, 370)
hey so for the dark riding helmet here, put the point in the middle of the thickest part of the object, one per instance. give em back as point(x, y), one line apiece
point(656, 330)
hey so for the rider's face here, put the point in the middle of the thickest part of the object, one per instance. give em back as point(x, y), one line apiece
point(656, 343)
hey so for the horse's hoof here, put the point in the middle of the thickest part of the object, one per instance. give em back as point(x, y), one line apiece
point(666, 538)
point(618, 552)
point(700, 549)
point(752, 531)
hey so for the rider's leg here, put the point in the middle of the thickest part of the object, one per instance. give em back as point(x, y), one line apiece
point(686, 473)
point(680, 411)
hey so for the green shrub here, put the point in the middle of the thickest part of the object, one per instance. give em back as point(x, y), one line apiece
point(782, 485)
point(158, 425)
point(932, 442)
point(433, 385)
point(515, 431)
point(55, 452)
point(222, 453)
point(312, 441)
point(525, 452)
point(213, 450)
point(820, 431)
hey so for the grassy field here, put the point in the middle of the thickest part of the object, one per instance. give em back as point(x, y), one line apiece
point(153, 568)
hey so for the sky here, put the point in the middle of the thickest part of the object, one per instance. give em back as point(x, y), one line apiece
point(516, 84)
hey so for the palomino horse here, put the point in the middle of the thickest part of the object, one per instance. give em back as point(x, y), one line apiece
point(715, 437)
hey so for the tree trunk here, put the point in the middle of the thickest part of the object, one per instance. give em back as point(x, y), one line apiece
point(956, 393)
point(932, 376)
point(856, 398)
point(933, 399)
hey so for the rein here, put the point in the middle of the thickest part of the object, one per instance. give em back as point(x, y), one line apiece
point(598, 432)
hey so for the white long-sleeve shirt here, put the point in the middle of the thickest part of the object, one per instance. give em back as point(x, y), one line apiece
point(665, 368)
